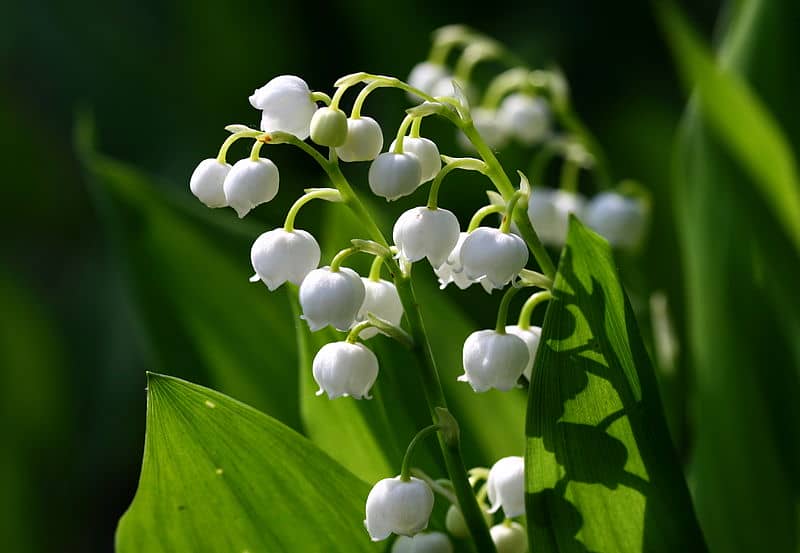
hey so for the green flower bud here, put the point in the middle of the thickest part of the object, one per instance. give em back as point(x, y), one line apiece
point(329, 127)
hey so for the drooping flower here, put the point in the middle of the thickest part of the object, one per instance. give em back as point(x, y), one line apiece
point(428, 153)
point(493, 360)
point(530, 336)
point(399, 507)
point(506, 486)
point(249, 183)
point(452, 270)
point(206, 182)
point(509, 537)
point(424, 232)
point(424, 542)
point(343, 369)
point(393, 175)
point(619, 219)
point(425, 76)
point(493, 257)
point(329, 127)
point(331, 298)
point(286, 106)
point(524, 117)
point(382, 300)
point(549, 210)
point(279, 256)
point(364, 140)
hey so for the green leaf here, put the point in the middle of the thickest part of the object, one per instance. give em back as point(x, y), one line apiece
point(739, 119)
point(218, 475)
point(601, 471)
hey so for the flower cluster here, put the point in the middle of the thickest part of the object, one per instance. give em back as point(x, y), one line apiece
point(527, 106)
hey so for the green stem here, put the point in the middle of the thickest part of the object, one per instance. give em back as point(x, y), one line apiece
point(328, 194)
point(375, 269)
point(502, 311)
point(401, 133)
point(524, 321)
point(505, 226)
point(352, 336)
point(321, 97)
point(223, 150)
point(405, 468)
point(569, 176)
point(255, 150)
point(339, 258)
point(482, 213)
point(415, 127)
point(505, 83)
point(362, 97)
point(466, 163)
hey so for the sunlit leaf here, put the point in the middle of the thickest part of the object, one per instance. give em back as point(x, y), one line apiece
point(218, 475)
point(601, 471)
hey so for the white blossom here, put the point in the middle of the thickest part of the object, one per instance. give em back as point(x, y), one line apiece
point(331, 298)
point(493, 360)
point(425, 77)
point(506, 486)
point(549, 209)
point(424, 542)
point(279, 256)
point(509, 537)
point(397, 506)
point(249, 183)
point(343, 369)
point(531, 337)
point(206, 182)
point(524, 117)
point(619, 219)
point(452, 269)
point(286, 106)
point(382, 300)
point(393, 175)
point(364, 140)
point(329, 127)
point(428, 153)
point(493, 257)
point(425, 232)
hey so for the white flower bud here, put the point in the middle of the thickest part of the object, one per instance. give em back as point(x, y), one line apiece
point(425, 76)
point(279, 256)
point(331, 298)
point(506, 486)
point(424, 542)
point(452, 270)
point(489, 127)
point(493, 360)
point(549, 209)
point(343, 369)
point(250, 183)
point(619, 219)
point(286, 106)
point(424, 232)
point(364, 140)
point(493, 256)
point(392, 175)
point(524, 117)
point(329, 127)
point(456, 525)
point(509, 538)
point(427, 152)
point(382, 300)
point(531, 337)
point(395, 506)
point(206, 182)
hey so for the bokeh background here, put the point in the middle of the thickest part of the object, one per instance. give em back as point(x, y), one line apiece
point(158, 81)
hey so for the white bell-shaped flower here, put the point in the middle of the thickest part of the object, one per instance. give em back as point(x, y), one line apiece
point(364, 140)
point(424, 542)
point(331, 298)
point(509, 537)
point(424, 232)
point(329, 127)
point(493, 360)
point(506, 486)
point(206, 182)
point(488, 125)
point(279, 256)
point(343, 369)
point(392, 175)
point(524, 117)
point(425, 76)
point(619, 219)
point(428, 153)
point(397, 506)
point(286, 106)
point(531, 337)
point(493, 257)
point(549, 210)
point(249, 183)
point(452, 270)
point(382, 300)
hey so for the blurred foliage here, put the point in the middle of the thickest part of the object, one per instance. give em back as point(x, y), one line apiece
point(162, 78)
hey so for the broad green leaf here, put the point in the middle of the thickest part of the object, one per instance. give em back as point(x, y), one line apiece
point(188, 269)
point(601, 474)
point(739, 119)
point(218, 475)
